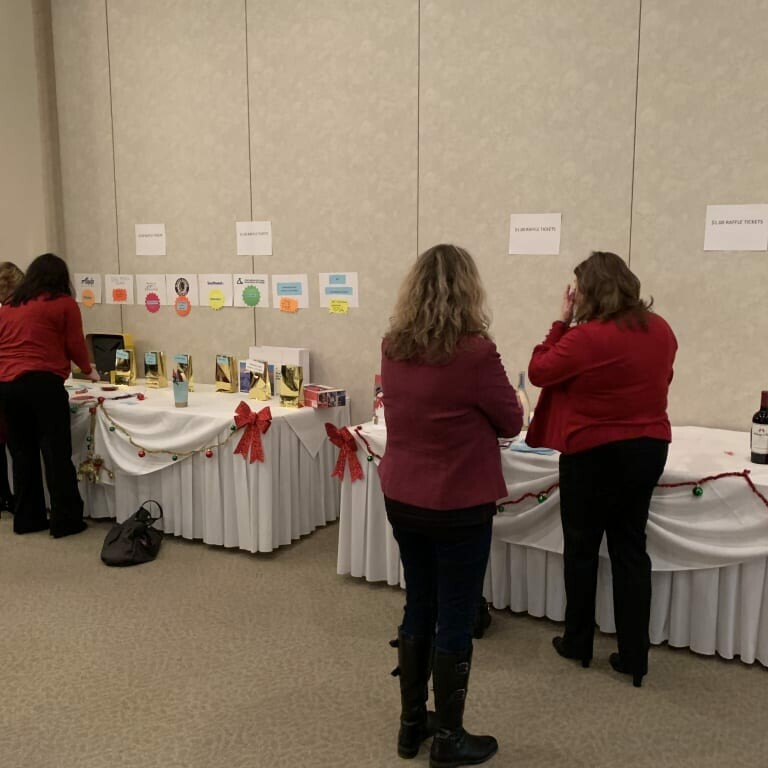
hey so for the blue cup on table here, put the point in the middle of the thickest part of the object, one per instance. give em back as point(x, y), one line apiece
point(180, 393)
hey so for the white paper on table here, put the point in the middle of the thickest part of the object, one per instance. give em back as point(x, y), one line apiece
point(150, 239)
point(736, 228)
point(119, 289)
point(183, 285)
point(291, 287)
point(146, 284)
point(218, 282)
point(535, 234)
point(338, 285)
point(90, 281)
point(257, 287)
point(254, 238)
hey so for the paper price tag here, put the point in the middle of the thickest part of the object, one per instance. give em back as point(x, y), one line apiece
point(254, 366)
point(289, 305)
point(338, 307)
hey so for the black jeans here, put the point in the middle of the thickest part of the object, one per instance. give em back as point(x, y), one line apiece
point(37, 416)
point(444, 572)
point(608, 489)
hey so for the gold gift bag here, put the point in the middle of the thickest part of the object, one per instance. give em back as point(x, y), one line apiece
point(260, 387)
point(183, 365)
point(226, 373)
point(154, 370)
point(291, 386)
point(125, 367)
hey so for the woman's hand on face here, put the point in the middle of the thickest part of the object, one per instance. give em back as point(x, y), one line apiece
point(566, 311)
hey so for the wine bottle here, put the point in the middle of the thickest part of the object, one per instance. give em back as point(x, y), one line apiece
point(524, 401)
point(759, 442)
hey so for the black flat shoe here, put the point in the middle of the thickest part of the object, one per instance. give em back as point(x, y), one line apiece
point(60, 531)
point(619, 666)
point(26, 527)
point(568, 653)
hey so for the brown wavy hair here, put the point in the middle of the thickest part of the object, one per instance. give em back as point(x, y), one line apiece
point(609, 290)
point(441, 300)
point(10, 277)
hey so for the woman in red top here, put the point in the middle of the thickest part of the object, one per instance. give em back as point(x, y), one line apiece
point(40, 332)
point(447, 399)
point(604, 406)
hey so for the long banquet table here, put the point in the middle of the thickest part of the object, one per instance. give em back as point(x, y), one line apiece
point(222, 499)
point(709, 552)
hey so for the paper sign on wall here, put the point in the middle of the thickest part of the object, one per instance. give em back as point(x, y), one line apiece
point(88, 288)
point(290, 286)
point(736, 228)
point(535, 233)
point(250, 290)
point(118, 289)
point(338, 285)
point(254, 238)
point(150, 239)
point(216, 290)
point(182, 285)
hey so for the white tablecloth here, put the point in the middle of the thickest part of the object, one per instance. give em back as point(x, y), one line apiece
point(223, 499)
point(709, 553)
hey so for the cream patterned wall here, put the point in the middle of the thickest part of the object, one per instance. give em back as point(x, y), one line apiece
point(367, 130)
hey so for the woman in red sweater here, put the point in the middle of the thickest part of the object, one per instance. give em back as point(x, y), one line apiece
point(605, 369)
point(40, 332)
point(447, 399)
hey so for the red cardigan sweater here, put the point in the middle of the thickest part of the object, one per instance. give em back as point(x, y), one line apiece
point(442, 427)
point(602, 382)
point(42, 335)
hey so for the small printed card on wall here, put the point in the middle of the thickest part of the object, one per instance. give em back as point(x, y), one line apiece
point(216, 290)
point(88, 288)
point(736, 228)
point(536, 234)
point(338, 285)
point(151, 291)
point(250, 290)
point(119, 289)
point(254, 238)
point(183, 285)
point(150, 239)
point(290, 287)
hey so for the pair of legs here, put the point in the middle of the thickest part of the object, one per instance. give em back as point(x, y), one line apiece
point(37, 417)
point(444, 571)
point(608, 490)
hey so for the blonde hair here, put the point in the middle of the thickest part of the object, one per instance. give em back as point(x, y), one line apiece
point(441, 300)
point(10, 277)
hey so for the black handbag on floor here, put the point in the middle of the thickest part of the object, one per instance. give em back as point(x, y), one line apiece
point(134, 541)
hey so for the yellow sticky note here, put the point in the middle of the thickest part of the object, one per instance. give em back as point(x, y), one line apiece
point(289, 305)
point(338, 307)
point(216, 299)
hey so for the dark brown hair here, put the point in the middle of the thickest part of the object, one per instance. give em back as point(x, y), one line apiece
point(441, 300)
point(46, 276)
point(609, 290)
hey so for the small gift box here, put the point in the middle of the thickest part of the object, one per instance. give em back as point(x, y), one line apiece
point(322, 396)
point(226, 374)
point(291, 386)
point(155, 370)
point(183, 366)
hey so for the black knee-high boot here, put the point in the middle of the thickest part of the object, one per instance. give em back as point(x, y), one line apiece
point(452, 745)
point(414, 658)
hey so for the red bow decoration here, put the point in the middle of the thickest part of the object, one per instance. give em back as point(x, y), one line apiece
point(345, 441)
point(256, 424)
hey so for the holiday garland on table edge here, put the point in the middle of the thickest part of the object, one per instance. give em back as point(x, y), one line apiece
point(697, 488)
point(254, 423)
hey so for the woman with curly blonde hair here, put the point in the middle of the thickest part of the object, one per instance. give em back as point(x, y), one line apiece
point(447, 400)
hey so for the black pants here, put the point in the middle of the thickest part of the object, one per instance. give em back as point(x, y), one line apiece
point(37, 416)
point(444, 572)
point(608, 489)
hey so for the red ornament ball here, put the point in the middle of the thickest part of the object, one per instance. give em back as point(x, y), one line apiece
point(92, 410)
point(100, 400)
point(140, 396)
point(142, 454)
point(209, 453)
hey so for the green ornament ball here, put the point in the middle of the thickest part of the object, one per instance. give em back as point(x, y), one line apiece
point(88, 439)
point(111, 429)
point(174, 457)
point(369, 458)
point(233, 428)
point(698, 491)
point(500, 508)
point(541, 498)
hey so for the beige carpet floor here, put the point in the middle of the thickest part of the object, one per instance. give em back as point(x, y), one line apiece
point(210, 658)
